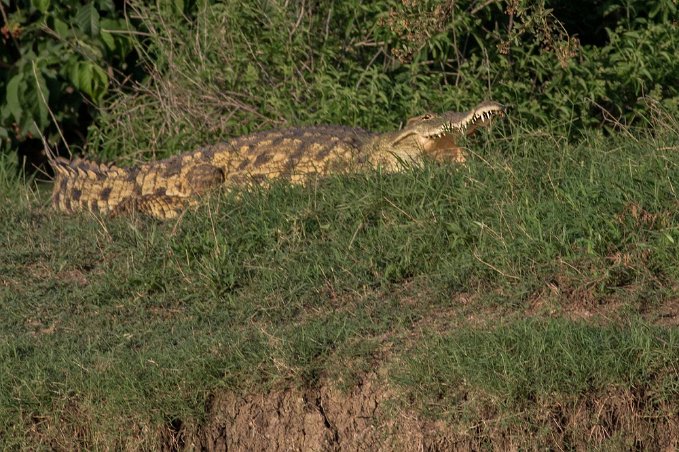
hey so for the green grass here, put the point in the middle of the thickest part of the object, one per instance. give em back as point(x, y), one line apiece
point(108, 327)
point(531, 360)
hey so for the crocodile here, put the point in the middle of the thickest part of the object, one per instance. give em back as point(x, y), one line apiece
point(163, 189)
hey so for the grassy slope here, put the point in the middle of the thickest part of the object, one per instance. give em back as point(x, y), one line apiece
point(540, 271)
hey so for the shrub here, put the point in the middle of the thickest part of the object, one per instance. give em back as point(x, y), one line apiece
point(219, 68)
point(58, 55)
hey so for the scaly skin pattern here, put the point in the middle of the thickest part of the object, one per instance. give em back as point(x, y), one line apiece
point(163, 189)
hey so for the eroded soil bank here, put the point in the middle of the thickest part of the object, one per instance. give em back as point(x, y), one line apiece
point(369, 418)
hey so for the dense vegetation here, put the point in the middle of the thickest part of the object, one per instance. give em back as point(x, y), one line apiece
point(59, 56)
point(505, 297)
point(225, 68)
point(235, 67)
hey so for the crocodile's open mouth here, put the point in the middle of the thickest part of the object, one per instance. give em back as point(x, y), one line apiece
point(438, 133)
point(443, 145)
point(479, 117)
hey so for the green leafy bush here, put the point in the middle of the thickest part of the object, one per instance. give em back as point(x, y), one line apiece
point(218, 69)
point(59, 55)
point(229, 68)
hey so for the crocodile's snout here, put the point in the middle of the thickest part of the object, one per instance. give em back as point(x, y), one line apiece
point(480, 116)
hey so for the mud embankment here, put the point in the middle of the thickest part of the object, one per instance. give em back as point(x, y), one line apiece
point(368, 418)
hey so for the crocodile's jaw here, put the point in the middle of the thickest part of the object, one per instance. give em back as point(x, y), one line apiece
point(437, 135)
point(481, 116)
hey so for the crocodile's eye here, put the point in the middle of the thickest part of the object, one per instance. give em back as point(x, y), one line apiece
point(418, 119)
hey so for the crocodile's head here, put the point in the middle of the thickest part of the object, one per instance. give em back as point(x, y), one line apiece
point(437, 134)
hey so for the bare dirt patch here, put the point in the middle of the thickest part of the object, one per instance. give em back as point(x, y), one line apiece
point(665, 314)
point(369, 418)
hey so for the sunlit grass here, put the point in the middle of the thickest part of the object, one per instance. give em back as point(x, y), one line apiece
point(134, 322)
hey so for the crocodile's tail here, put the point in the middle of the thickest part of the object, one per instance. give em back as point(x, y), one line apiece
point(81, 184)
point(85, 185)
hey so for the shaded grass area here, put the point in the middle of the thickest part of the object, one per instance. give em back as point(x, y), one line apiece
point(110, 328)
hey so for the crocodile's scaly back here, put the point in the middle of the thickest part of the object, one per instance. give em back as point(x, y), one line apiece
point(163, 189)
